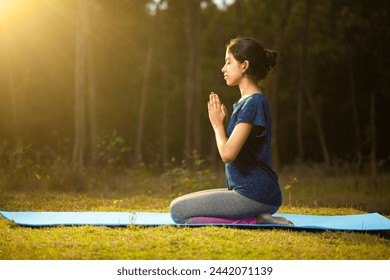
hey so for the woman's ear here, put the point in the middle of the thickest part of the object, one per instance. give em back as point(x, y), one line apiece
point(245, 66)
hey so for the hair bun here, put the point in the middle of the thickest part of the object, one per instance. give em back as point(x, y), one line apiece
point(270, 56)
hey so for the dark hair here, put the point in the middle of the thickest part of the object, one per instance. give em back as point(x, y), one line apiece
point(260, 60)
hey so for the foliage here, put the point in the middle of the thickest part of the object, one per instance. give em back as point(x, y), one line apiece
point(17, 163)
point(188, 177)
point(112, 150)
point(347, 52)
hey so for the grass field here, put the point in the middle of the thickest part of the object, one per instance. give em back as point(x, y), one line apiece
point(146, 243)
point(305, 191)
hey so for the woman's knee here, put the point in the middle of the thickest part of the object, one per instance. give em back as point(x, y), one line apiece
point(176, 213)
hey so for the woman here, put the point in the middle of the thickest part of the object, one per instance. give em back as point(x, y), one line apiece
point(253, 193)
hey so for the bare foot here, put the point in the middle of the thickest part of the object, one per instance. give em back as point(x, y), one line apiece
point(269, 219)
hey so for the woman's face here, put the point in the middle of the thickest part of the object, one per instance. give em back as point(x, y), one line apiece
point(233, 70)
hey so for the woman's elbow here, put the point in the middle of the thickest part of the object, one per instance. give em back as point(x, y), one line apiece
point(228, 157)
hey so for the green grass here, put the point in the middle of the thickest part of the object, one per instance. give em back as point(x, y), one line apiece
point(165, 242)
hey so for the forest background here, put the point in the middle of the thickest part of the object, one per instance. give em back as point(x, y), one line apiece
point(100, 95)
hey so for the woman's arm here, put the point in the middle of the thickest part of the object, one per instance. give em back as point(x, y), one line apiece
point(228, 147)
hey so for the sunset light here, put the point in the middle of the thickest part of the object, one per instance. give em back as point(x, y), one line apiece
point(14, 13)
point(7, 7)
point(227, 130)
point(26, 28)
point(5, 3)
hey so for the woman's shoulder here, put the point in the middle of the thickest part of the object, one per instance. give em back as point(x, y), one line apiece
point(257, 98)
point(252, 102)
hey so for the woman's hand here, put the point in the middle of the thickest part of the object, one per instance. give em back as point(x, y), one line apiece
point(227, 148)
point(217, 111)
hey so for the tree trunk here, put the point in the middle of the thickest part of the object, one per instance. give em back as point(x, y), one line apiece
point(142, 107)
point(80, 86)
point(197, 132)
point(278, 44)
point(165, 118)
point(299, 119)
point(93, 135)
point(373, 160)
point(302, 81)
point(355, 114)
point(306, 79)
point(138, 154)
point(166, 86)
point(191, 12)
point(219, 82)
point(320, 130)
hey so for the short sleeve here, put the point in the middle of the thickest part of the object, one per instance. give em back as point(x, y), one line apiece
point(252, 111)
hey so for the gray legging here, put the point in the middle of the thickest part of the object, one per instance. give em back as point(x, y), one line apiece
point(221, 203)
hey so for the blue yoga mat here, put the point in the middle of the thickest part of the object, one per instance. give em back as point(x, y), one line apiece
point(360, 222)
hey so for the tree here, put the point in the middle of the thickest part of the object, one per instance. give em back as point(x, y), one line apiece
point(192, 10)
point(92, 98)
point(239, 17)
point(305, 86)
point(150, 53)
point(17, 79)
point(273, 83)
point(85, 89)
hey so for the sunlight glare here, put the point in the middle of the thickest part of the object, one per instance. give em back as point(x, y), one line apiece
point(5, 3)
point(30, 32)
point(7, 6)
point(15, 12)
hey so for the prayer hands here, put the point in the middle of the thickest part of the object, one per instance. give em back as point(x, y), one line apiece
point(217, 111)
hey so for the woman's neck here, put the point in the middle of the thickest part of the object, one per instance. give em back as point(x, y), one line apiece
point(247, 88)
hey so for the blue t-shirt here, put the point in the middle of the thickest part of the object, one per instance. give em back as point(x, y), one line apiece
point(250, 174)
